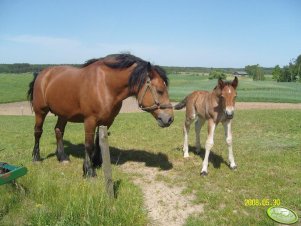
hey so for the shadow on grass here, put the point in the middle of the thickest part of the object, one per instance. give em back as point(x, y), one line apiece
point(119, 157)
point(215, 159)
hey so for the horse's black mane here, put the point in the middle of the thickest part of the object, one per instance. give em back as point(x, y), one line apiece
point(140, 72)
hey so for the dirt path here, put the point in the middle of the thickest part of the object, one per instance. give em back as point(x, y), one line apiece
point(166, 204)
point(130, 105)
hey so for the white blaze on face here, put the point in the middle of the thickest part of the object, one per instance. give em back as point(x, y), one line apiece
point(229, 109)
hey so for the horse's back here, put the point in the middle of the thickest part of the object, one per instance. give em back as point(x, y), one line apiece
point(58, 89)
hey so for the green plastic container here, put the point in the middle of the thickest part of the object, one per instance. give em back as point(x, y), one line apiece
point(9, 172)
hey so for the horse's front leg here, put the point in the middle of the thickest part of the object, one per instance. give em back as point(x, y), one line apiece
point(228, 135)
point(88, 166)
point(209, 144)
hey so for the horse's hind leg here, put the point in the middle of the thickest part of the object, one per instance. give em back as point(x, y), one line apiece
point(59, 133)
point(38, 130)
point(186, 129)
point(97, 158)
point(88, 166)
point(198, 125)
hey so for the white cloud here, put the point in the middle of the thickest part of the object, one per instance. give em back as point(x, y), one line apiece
point(45, 41)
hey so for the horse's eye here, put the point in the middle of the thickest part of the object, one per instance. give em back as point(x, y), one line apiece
point(160, 92)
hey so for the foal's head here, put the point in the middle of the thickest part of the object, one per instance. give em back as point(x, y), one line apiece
point(153, 96)
point(227, 94)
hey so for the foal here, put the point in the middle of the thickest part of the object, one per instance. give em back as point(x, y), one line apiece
point(214, 107)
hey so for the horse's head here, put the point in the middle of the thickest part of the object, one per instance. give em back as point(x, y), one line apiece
point(153, 96)
point(227, 96)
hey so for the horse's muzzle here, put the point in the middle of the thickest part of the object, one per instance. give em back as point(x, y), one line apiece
point(164, 120)
point(229, 115)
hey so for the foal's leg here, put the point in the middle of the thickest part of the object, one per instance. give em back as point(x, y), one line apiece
point(208, 146)
point(88, 167)
point(38, 130)
point(228, 135)
point(59, 133)
point(198, 125)
point(186, 132)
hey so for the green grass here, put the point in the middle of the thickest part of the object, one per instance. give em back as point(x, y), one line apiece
point(266, 147)
point(13, 87)
point(56, 194)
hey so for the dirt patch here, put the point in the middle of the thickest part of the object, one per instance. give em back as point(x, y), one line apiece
point(130, 105)
point(166, 204)
point(23, 108)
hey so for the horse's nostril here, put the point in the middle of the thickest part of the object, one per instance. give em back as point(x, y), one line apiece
point(170, 120)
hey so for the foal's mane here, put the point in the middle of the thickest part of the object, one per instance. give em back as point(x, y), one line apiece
point(139, 74)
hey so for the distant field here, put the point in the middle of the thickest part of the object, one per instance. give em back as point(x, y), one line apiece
point(13, 87)
point(248, 90)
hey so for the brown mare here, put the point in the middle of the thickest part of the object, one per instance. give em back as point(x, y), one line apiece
point(214, 107)
point(93, 95)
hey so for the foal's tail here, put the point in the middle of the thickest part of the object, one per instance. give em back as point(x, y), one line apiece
point(181, 105)
point(31, 85)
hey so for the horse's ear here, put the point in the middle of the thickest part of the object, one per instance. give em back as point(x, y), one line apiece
point(149, 66)
point(235, 82)
point(220, 83)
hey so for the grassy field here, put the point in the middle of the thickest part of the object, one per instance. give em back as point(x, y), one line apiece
point(13, 87)
point(266, 147)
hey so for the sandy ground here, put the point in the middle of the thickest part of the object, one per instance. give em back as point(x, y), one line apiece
point(130, 105)
point(166, 204)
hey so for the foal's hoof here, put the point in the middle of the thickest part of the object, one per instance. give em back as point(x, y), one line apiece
point(234, 168)
point(204, 174)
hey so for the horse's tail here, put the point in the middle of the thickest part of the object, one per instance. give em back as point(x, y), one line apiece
point(181, 105)
point(31, 85)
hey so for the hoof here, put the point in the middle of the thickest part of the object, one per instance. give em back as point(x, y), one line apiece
point(65, 162)
point(36, 159)
point(90, 174)
point(204, 173)
point(186, 155)
point(234, 168)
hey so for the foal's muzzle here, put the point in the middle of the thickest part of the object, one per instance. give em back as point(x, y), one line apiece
point(229, 115)
point(229, 112)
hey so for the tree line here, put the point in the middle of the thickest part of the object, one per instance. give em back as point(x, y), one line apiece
point(289, 73)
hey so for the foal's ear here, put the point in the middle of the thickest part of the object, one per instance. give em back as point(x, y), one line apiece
point(235, 82)
point(220, 83)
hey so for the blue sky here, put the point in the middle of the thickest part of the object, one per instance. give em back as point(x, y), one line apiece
point(229, 33)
